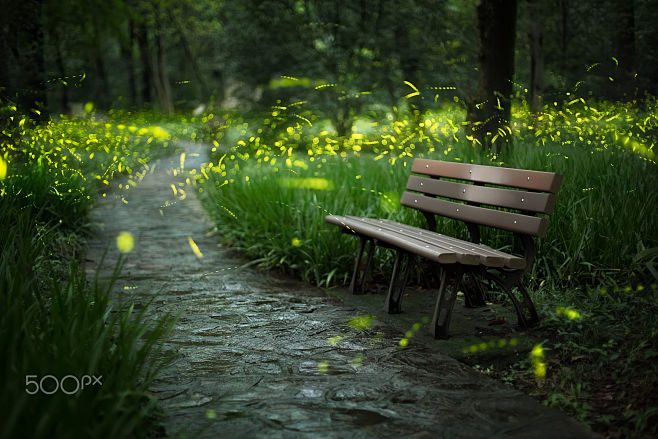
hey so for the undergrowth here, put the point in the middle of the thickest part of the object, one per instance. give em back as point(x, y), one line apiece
point(55, 323)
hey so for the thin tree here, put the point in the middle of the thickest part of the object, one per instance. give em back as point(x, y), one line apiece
point(491, 113)
point(25, 43)
point(625, 48)
point(535, 40)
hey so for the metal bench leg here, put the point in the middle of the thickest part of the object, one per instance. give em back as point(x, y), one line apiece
point(361, 267)
point(525, 309)
point(445, 301)
point(529, 307)
point(474, 293)
point(398, 282)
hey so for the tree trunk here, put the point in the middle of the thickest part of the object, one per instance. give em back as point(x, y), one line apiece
point(564, 43)
point(490, 116)
point(625, 48)
point(147, 70)
point(162, 87)
point(218, 94)
point(191, 58)
point(59, 61)
point(5, 77)
point(342, 121)
point(104, 95)
point(409, 65)
point(127, 55)
point(536, 58)
point(26, 30)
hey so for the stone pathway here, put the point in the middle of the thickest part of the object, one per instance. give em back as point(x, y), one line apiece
point(276, 358)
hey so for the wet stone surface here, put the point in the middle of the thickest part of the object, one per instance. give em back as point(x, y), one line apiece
point(277, 358)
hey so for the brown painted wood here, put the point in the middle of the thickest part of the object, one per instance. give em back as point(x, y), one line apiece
point(488, 256)
point(532, 180)
point(465, 252)
point(514, 222)
point(464, 256)
point(416, 246)
point(510, 198)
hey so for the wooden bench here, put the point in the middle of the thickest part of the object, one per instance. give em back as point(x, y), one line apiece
point(478, 197)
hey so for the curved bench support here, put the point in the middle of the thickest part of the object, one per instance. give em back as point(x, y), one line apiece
point(361, 266)
point(474, 292)
point(525, 309)
point(451, 280)
point(403, 262)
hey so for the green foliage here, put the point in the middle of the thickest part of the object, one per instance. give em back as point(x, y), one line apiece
point(164, 53)
point(61, 328)
point(298, 198)
point(53, 321)
point(57, 166)
point(602, 230)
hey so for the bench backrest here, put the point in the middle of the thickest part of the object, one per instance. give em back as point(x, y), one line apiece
point(533, 192)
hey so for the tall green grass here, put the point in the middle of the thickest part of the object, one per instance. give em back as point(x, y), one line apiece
point(53, 321)
point(283, 225)
point(51, 326)
point(600, 232)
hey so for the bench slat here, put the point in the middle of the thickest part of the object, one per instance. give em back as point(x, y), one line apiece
point(464, 255)
point(514, 222)
point(521, 178)
point(488, 256)
point(509, 198)
point(466, 252)
point(416, 246)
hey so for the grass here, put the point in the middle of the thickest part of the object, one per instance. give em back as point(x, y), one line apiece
point(271, 182)
point(68, 327)
point(54, 321)
point(305, 245)
point(602, 230)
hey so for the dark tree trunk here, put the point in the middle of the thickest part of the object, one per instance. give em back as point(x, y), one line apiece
point(409, 65)
point(104, 95)
point(127, 55)
point(536, 57)
point(625, 48)
point(161, 78)
point(5, 77)
point(491, 115)
point(147, 70)
point(191, 58)
point(382, 40)
point(59, 61)
point(564, 41)
point(26, 45)
point(218, 78)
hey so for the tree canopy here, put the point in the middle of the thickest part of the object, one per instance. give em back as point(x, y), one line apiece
point(420, 54)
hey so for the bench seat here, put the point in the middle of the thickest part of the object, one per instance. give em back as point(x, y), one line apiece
point(431, 245)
